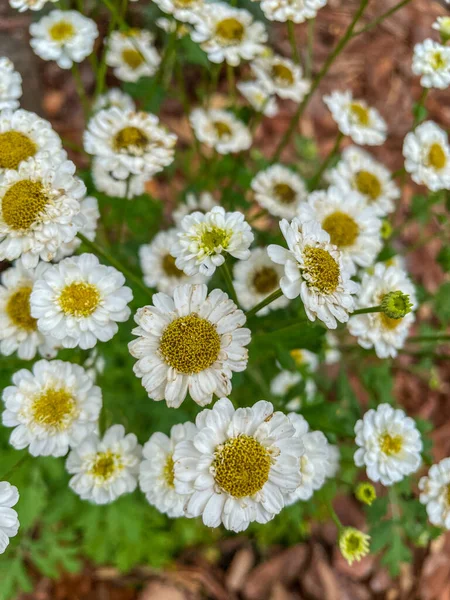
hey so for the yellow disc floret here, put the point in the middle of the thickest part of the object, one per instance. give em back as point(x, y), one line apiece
point(360, 113)
point(168, 265)
point(436, 157)
point(133, 58)
point(265, 280)
point(213, 239)
point(284, 193)
point(221, 129)
point(390, 444)
point(15, 147)
point(106, 464)
point(368, 184)
point(61, 31)
point(54, 409)
point(343, 230)
point(282, 74)
point(23, 203)
point(79, 299)
point(230, 31)
point(321, 270)
point(168, 473)
point(18, 309)
point(130, 139)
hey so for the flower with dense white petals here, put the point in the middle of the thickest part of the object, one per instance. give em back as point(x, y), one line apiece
point(114, 97)
point(229, 34)
point(352, 225)
point(204, 202)
point(297, 11)
point(258, 97)
point(283, 383)
point(255, 279)
point(389, 444)
point(10, 85)
point(186, 11)
point(281, 76)
point(105, 182)
point(204, 240)
point(315, 271)
point(239, 466)
point(358, 171)
point(172, 26)
point(158, 264)
point(189, 343)
point(104, 469)
point(65, 36)
point(79, 301)
point(90, 213)
point(279, 190)
point(18, 330)
point(435, 493)
point(132, 54)
point(23, 5)
point(377, 330)
point(427, 156)
point(432, 61)
point(221, 130)
point(442, 24)
point(39, 209)
point(156, 476)
point(356, 119)
point(53, 407)
point(9, 522)
point(129, 143)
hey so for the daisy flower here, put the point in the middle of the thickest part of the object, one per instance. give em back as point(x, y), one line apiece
point(158, 264)
point(203, 203)
point(65, 36)
point(53, 407)
point(156, 476)
point(255, 279)
point(435, 493)
point(104, 469)
point(315, 271)
point(18, 330)
point(304, 359)
point(352, 225)
point(221, 130)
point(39, 209)
point(23, 5)
point(359, 172)
point(442, 24)
point(129, 143)
point(431, 61)
point(105, 182)
point(281, 76)
point(114, 97)
point(9, 522)
point(297, 11)
point(90, 214)
point(10, 85)
point(427, 156)
point(389, 444)
point(258, 97)
point(377, 330)
point(186, 11)
point(239, 466)
point(283, 383)
point(132, 54)
point(79, 301)
point(356, 119)
point(203, 240)
point(189, 343)
point(279, 190)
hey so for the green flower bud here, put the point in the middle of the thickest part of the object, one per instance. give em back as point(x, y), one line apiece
point(365, 492)
point(386, 229)
point(353, 544)
point(396, 305)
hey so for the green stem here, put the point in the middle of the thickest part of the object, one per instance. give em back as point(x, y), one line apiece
point(231, 84)
point(14, 468)
point(440, 337)
point(291, 33)
point(229, 282)
point(310, 48)
point(271, 298)
point(334, 517)
point(80, 89)
point(381, 18)
point(370, 309)
point(420, 104)
point(317, 177)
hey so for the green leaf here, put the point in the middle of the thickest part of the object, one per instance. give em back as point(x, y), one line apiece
point(442, 303)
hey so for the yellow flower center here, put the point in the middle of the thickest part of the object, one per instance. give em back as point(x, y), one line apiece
point(168, 473)
point(343, 230)
point(437, 61)
point(133, 58)
point(388, 322)
point(79, 299)
point(360, 113)
point(184, 3)
point(368, 184)
point(130, 139)
point(297, 355)
point(168, 265)
point(23, 203)
point(190, 344)
point(321, 269)
point(436, 157)
point(282, 74)
point(391, 444)
point(284, 193)
point(222, 129)
point(105, 466)
point(241, 466)
point(265, 280)
point(18, 309)
point(61, 31)
point(230, 31)
point(214, 239)
point(54, 409)
point(15, 147)
point(447, 494)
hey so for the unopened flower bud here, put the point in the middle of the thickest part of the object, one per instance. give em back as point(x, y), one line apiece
point(396, 305)
point(353, 544)
point(365, 492)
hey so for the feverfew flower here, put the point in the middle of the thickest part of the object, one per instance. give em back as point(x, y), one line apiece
point(229, 34)
point(90, 213)
point(353, 544)
point(156, 477)
point(435, 493)
point(10, 85)
point(104, 469)
point(352, 225)
point(191, 342)
point(279, 190)
point(432, 61)
point(427, 156)
point(297, 11)
point(9, 522)
point(204, 202)
point(105, 182)
point(204, 239)
point(221, 130)
point(255, 279)
point(357, 171)
point(377, 330)
point(239, 466)
point(132, 54)
point(65, 36)
point(114, 97)
point(79, 301)
point(258, 97)
point(52, 407)
point(356, 119)
point(129, 143)
point(315, 271)
point(39, 209)
point(281, 76)
point(23, 5)
point(186, 11)
point(389, 444)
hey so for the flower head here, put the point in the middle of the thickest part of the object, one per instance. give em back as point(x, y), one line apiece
point(221, 130)
point(10, 86)
point(427, 156)
point(297, 11)
point(353, 544)
point(435, 493)
point(132, 54)
point(432, 61)
point(396, 305)
point(279, 190)
point(281, 76)
point(365, 493)
point(9, 522)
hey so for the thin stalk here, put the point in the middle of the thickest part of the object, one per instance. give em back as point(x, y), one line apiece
point(420, 104)
point(365, 311)
point(334, 150)
point(80, 89)
point(14, 468)
point(291, 33)
point(310, 48)
point(440, 337)
point(381, 18)
point(231, 84)
point(228, 282)
point(271, 298)
point(335, 518)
